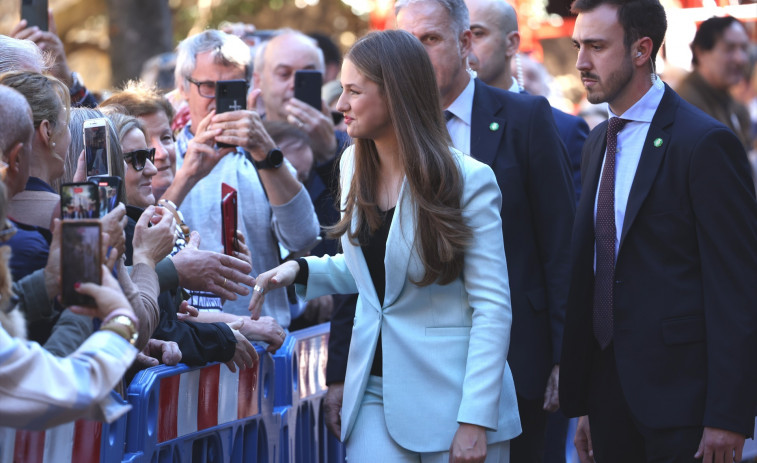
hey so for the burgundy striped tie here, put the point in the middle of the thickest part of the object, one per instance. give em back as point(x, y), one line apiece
point(605, 236)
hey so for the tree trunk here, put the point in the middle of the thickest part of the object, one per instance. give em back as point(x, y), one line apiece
point(139, 30)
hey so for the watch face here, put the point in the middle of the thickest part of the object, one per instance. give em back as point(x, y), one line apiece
point(275, 157)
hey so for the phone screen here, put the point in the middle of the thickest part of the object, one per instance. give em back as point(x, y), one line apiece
point(80, 259)
point(108, 188)
point(96, 149)
point(79, 201)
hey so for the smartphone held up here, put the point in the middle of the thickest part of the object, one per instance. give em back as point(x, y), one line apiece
point(97, 154)
point(231, 95)
point(80, 259)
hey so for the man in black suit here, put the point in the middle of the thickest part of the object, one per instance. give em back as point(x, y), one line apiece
point(495, 44)
point(659, 340)
point(515, 134)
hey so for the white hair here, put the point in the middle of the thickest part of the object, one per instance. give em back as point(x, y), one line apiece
point(21, 55)
point(228, 50)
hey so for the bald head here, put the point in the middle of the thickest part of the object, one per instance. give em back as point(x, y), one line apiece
point(275, 65)
point(496, 40)
point(16, 133)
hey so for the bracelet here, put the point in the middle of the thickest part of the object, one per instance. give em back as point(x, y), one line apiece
point(122, 326)
point(125, 312)
point(171, 207)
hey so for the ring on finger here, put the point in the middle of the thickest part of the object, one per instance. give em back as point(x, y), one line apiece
point(258, 289)
point(223, 285)
point(281, 333)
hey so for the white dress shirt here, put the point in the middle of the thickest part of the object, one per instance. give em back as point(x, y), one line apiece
point(459, 126)
point(630, 143)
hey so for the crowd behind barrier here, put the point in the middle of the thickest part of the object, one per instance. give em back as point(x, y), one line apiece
point(271, 412)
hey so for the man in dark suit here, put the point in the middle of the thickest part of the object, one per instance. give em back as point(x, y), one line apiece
point(495, 44)
point(515, 134)
point(659, 339)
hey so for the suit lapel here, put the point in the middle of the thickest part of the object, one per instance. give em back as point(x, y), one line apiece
point(486, 128)
point(399, 246)
point(595, 150)
point(651, 158)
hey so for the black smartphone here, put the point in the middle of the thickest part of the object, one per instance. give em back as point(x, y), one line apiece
point(79, 201)
point(109, 189)
point(35, 13)
point(96, 151)
point(307, 87)
point(80, 259)
point(231, 95)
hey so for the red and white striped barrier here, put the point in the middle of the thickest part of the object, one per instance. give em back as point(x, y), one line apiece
point(72, 442)
point(206, 398)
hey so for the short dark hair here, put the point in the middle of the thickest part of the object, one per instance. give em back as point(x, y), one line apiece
point(331, 52)
point(709, 32)
point(639, 18)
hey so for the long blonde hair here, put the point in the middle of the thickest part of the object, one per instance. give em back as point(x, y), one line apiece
point(399, 64)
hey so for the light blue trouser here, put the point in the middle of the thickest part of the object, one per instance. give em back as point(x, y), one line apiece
point(370, 442)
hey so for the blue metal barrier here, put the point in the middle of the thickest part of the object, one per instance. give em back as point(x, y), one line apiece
point(202, 414)
point(300, 367)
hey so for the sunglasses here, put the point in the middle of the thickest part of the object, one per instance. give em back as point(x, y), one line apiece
point(138, 159)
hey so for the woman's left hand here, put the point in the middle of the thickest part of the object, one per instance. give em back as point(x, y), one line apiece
point(468, 445)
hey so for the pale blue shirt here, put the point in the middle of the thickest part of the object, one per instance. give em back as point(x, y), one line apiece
point(459, 126)
point(293, 224)
point(630, 143)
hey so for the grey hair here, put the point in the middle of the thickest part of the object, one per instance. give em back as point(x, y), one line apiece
point(21, 55)
point(260, 52)
point(18, 125)
point(76, 127)
point(458, 12)
point(228, 50)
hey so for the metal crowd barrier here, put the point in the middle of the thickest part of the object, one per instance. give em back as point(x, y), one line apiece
point(270, 413)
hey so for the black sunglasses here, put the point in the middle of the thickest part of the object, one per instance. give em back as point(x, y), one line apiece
point(139, 158)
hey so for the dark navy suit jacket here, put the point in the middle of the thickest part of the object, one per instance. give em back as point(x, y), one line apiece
point(538, 203)
point(685, 324)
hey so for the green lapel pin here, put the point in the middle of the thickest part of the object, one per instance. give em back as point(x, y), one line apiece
point(493, 126)
point(657, 142)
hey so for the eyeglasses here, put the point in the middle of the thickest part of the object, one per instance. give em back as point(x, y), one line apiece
point(206, 88)
point(139, 158)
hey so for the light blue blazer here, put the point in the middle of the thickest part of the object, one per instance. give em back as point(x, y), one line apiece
point(444, 347)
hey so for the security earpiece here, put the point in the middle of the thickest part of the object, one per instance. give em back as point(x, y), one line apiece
point(638, 54)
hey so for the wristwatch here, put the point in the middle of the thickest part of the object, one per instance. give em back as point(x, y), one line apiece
point(273, 160)
point(122, 326)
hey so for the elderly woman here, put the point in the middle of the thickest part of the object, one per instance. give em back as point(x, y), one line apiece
point(33, 209)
